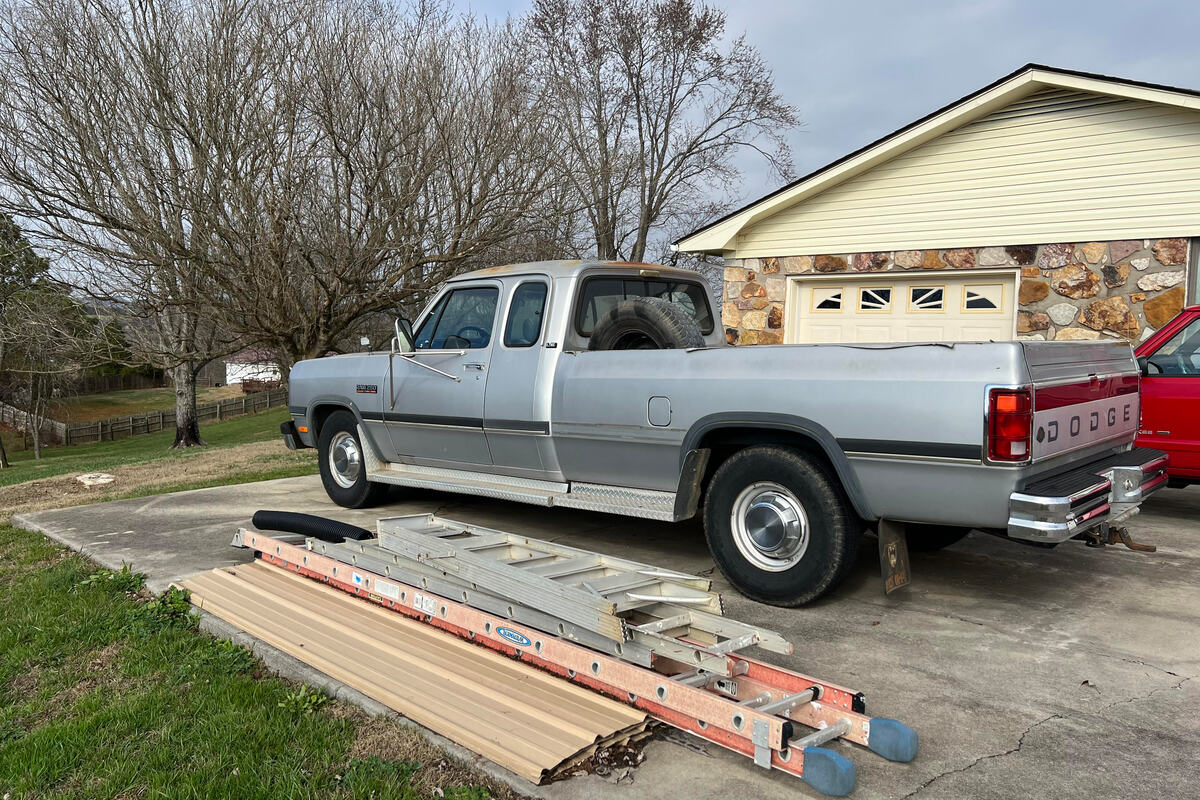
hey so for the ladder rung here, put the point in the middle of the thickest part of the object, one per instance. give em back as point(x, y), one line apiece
point(620, 582)
point(665, 624)
point(522, 562)
point(756, 701)
point(661, 598)
point(696, 677)
point(567, 566)
point(827, 734)
point(786, 703)
point(733, 645)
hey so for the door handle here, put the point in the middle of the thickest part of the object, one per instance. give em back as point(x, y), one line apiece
point(473, 366)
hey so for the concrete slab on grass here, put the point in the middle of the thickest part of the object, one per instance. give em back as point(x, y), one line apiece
point(1065, 673)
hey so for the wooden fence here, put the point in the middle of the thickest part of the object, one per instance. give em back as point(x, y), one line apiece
point(108, 430)
point(53, 432)
point(99, 384)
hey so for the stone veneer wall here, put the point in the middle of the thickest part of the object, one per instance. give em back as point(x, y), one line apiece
point(1124, 288)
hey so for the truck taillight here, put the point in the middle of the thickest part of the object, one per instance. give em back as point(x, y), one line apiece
point(1010, 424)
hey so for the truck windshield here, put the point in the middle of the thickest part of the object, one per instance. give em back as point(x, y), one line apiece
point(601, 295)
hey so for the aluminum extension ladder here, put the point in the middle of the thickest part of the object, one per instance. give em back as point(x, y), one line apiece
point(630, 610)
point(650, 637)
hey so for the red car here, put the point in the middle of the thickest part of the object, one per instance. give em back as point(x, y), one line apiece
point(1170, 362)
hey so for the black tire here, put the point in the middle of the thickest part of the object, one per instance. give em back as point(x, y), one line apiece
point(359, 493)
point(646, 323)
point(928, 538)
point(834, 529)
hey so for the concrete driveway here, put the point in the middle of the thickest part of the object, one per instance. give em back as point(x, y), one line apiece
point(1027, 673)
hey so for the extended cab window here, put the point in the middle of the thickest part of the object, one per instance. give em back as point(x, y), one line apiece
point(525, 313)
point(462, 320)
point(1179, 355)
point(600, 295)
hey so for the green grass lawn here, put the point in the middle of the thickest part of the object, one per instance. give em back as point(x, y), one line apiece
point(91, 407)
point(107, 693)
point(103, 456)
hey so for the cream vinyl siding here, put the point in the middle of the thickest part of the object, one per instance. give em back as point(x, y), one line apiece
point(1055, 166)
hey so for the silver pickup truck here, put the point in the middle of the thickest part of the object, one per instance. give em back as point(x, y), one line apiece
point(608, 387)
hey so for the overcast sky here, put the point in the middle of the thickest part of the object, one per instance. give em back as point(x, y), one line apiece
point(860, 70)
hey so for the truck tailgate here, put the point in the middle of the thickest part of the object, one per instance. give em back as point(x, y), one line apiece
point(1084, 395)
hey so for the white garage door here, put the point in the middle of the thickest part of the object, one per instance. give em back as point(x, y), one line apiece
point(964, 307)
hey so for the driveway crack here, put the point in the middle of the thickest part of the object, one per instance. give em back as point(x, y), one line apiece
point(981, 759)
point(1177, 685)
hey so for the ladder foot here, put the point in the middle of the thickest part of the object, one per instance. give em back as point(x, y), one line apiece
point(892, 739)
point(828, 772)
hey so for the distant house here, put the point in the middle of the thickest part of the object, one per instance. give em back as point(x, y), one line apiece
point(1050, 205)
point(253, 364)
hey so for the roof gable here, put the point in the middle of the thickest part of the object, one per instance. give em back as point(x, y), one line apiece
point(720, 236)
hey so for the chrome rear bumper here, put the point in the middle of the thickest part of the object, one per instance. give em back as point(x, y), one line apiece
point(1051, 510)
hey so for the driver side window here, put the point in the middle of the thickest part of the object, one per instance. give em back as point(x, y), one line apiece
point(1179, 355)
point(462, 320)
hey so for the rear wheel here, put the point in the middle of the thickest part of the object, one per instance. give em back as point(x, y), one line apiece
point(928, 538)
point(343, 467)
point(779, 526)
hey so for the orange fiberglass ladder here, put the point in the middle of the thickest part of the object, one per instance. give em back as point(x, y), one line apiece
point(650, 637)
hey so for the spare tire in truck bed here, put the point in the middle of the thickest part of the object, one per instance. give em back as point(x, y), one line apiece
point(646, 323)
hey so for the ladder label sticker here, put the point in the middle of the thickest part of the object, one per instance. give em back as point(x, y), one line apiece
point(388, 590)
point(423, 602)
point(359, 580)
point(516, 637)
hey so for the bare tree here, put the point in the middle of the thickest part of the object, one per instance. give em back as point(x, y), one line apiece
point(122, 125)
point(406, 144)
point(652, 110)
point(49, 339)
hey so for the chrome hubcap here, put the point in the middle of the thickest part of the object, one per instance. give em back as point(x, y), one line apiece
point(345, 461)
point(769, 526)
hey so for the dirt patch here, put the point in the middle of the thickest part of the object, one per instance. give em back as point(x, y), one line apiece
point(25, 684)
point(194, 466)
point(387, 740)
point(99, 669)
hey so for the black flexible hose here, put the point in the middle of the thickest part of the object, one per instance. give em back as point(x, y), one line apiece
point(327, 530)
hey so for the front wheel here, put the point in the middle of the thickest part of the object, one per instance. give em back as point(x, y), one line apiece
point(779, 526)
point(343, 467)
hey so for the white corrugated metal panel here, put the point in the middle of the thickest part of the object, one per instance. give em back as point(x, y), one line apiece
point(524, 719)
point(1055, 166)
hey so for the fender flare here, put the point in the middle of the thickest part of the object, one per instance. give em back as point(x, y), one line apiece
point(803, 426)
point(348, 405)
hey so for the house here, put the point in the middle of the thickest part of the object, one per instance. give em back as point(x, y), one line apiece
point(253, 364)
point(1049, 205)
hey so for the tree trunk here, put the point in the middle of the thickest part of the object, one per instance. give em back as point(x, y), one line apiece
point(187, 427)
point(3, 455)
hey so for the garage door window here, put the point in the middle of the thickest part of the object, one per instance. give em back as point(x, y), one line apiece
point(875, 299)
point(927, 298)
point(984, 297)
point(827, 298)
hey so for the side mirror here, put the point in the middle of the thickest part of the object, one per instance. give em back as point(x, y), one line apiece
point(404, 335)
